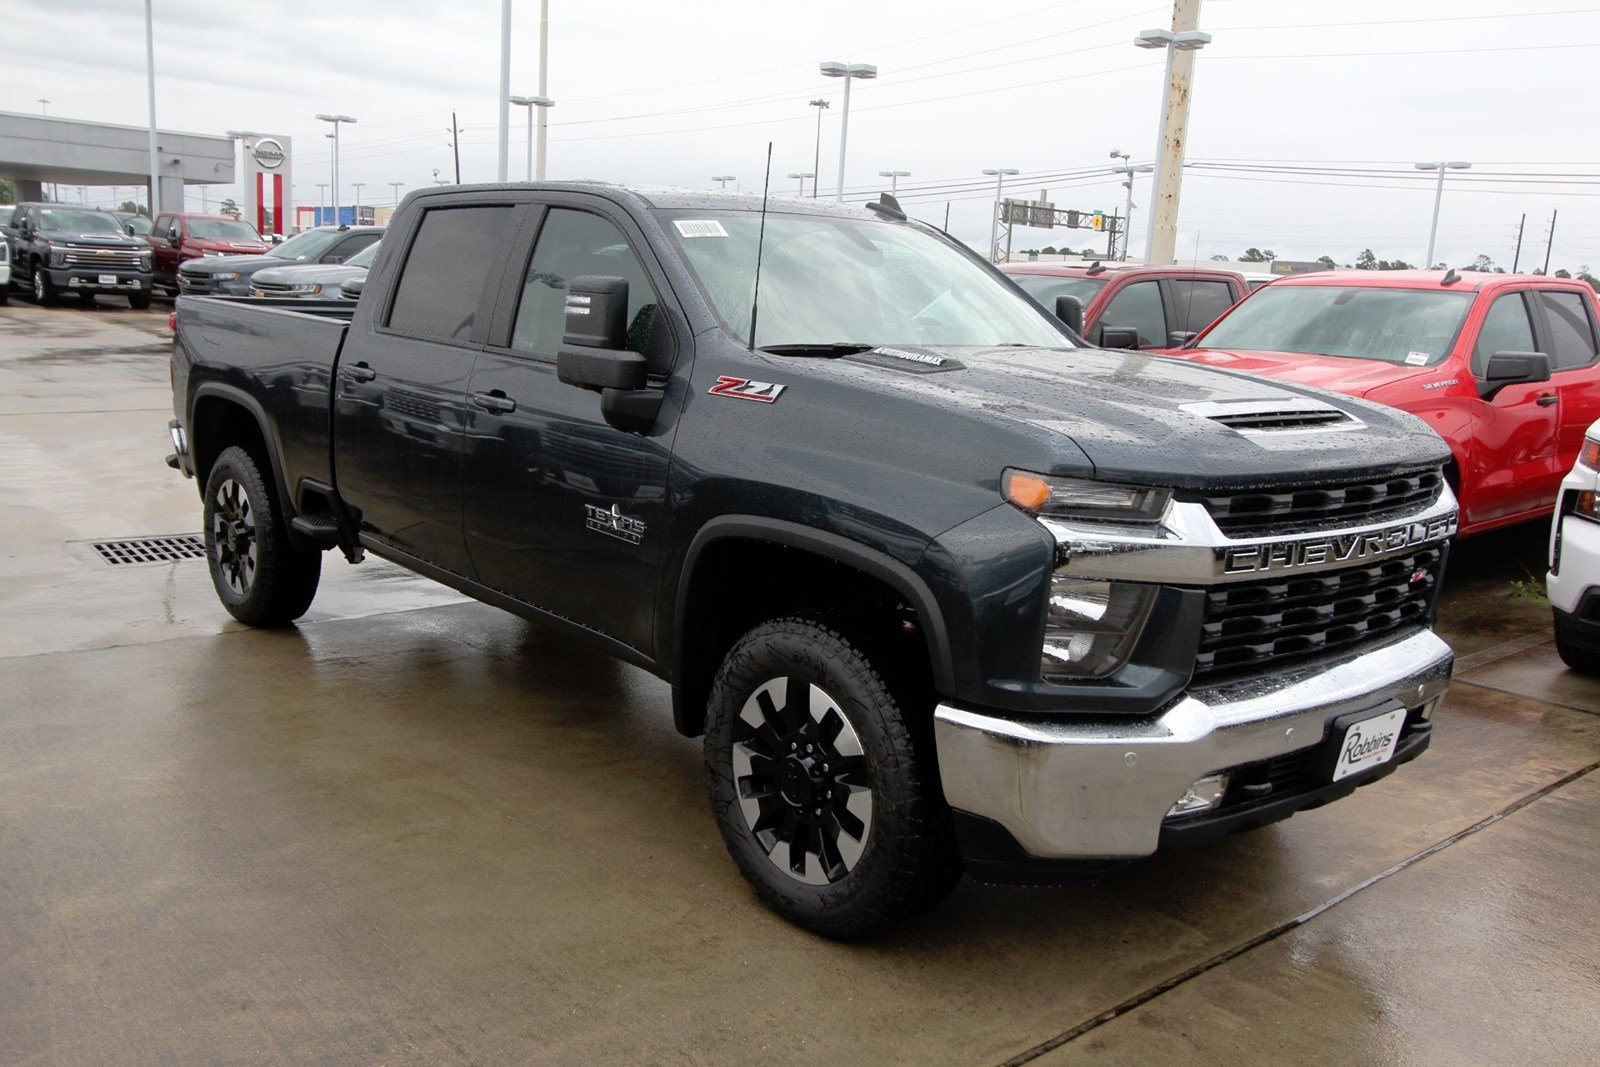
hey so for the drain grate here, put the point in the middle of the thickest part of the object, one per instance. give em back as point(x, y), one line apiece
point(134, 550)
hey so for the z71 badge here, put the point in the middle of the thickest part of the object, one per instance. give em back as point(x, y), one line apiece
point(745, 389)
point(612, 522)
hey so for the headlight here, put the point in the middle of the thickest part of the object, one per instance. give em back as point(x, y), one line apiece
point(1587, 506)
point(1091, 627)
point(209, 252)
point(144, 260)
point(1046, 497)
point(227, 277)
point(58, 257)
point(1589, 456)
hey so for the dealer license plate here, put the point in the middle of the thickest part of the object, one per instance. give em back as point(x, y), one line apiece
point(1369, 743)
point(108, 279)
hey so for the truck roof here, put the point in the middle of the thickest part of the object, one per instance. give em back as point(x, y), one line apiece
point(666, 196)
point(1081, 270)
point(1465, 282)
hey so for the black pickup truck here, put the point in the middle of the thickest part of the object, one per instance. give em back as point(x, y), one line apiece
point(942, 589)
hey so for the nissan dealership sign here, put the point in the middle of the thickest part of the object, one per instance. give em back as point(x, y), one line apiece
point(268, 153)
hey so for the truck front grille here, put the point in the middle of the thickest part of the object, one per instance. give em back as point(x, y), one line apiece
point(89, 256)
point(196, 284)
point(1263, 624)
point(1249, 512)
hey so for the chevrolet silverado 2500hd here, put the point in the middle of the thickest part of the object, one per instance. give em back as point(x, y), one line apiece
point(942, 589)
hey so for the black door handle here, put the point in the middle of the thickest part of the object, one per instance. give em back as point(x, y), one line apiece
point(495, 401)
point(1546, 400)
point(361, 373)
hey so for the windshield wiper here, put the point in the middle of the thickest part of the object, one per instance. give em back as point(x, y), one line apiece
point(826, 349)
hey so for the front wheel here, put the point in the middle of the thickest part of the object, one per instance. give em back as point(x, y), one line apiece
point(259, 576)
point(139, 301)
point(1573, 653)
point(822, 783)
point(44, 291)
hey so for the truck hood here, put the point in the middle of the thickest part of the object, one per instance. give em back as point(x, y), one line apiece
point(1342, 374)
point(232, 264)
point(1151, 419)
point(309, 273)
point(232, 248)
point(103, 240)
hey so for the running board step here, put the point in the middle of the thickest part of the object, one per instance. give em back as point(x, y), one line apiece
point(320, 529)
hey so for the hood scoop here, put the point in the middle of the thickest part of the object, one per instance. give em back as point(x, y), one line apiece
point(1274, 416)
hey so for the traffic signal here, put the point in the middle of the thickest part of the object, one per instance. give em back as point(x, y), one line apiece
point(1072, 219)
point(1099, 221)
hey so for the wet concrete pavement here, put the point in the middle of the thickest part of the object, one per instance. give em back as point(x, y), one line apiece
point(414, 829)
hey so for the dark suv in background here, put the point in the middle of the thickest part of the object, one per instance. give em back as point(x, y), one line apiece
point(57, 248)
point(230, 275)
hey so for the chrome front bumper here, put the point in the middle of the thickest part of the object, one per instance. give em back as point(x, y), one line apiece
point(1069, 790)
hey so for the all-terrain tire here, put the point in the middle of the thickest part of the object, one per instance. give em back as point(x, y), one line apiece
point(44, 290)
point(139, 301)
point(1574, 655)
point(259, 576)
point(836, 724)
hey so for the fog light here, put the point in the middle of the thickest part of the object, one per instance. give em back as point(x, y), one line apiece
point(1204, 795)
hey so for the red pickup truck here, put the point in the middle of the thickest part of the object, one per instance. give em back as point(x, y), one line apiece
point(1503, 366)
point(177, 238)
point(1165, 306)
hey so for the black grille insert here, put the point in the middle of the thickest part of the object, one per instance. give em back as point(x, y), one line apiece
point(172, 548)
point(1250, 625)
point(1269, 511)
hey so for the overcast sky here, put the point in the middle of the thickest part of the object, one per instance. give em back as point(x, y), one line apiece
point(673, 93)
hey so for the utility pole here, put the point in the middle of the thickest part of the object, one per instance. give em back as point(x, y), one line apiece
point(503, 105)
point(1181, 44)
point(455, 144)
point(150, 80)
point(1517, 256)
point(544, 82)
point(1549, 241)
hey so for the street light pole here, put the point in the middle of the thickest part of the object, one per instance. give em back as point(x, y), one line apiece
point(544, 81)
point(816, 164)
point(358, 186)
point(150, 87)
point(894, 177)
point(532, 103)
point(1128, 170)
point(396, 187)
point(849, 72)
point(722, 180)
point(322, 195)
point(994, 226)
point(503, 107)
point(803, 175)
point(1181, 42)
point(336, 120)
point(1438, 197)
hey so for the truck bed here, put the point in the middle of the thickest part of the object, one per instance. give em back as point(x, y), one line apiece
point(279, 353)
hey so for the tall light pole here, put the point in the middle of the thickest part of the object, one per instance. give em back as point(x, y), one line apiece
point(544, 82)
point(994, 227)
point(1438, 196)
point(358, 186)
point(336, 120)
point(150, 89)
point(803, 175)
point(1128, 170)
point(1181, 43)
point(396, 187)
point(532, 103)
point(722, 180)
point(322, 195)
point(894, 177)
point(816, 164)
point(849, 72)
point(503, 107)
point(44, 106)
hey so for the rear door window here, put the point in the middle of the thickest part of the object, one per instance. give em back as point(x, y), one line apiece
point(446, 271)
point(1200, 303)
point(1571, 331)
point(356, 242)
point(1139, 306)
point(1505, 329)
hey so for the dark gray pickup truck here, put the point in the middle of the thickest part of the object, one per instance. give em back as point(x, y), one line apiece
point(942, 589)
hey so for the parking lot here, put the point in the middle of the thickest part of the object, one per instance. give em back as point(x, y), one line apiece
point(416, 829)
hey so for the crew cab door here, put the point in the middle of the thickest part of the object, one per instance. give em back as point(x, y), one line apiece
point(1568, 329)
point(1195, 303)
point(563, 511)
point(1512, 450)
point(1139, 305)
point(400, 394)
point(165, 256)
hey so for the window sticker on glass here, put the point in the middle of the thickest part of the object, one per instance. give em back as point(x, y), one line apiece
point(1417, 359)
point(700, 228)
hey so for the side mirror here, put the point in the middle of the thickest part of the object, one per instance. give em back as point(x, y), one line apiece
point(1179, 338)
point(173, 237)
point(594, 355)
point(1513, 368)
point(1119, 337)
point(1069, 309)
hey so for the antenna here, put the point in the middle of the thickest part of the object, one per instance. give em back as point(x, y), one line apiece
point(761, 239)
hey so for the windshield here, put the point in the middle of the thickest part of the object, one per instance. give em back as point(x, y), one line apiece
point(303, 246)
point(848, 281)
point(1044, 288)
point(75, 220)
point(364, 257)
point(1408, 327)
point(222, 230)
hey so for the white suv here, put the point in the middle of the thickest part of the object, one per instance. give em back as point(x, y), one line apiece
point(1574, 579)
point(5, 269)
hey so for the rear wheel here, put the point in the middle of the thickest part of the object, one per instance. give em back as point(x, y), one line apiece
point(823, 784)
point(259, 576)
